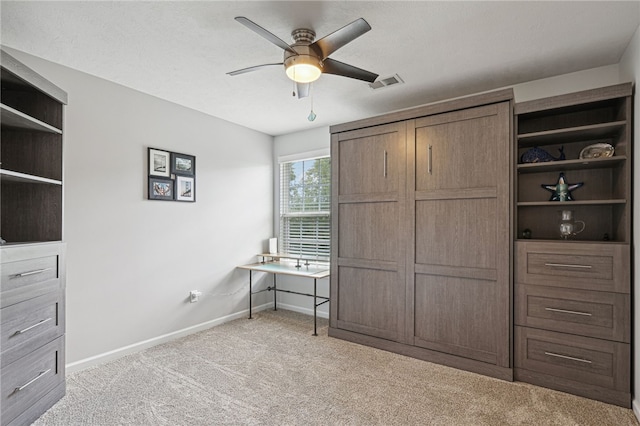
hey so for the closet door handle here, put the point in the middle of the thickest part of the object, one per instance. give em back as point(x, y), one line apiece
point(586, 361)
point(37, 271)
point(40, 375)
point(429, 160)
point(566, 265)
point(564, 311)
point(384, 164)
point(39, 323)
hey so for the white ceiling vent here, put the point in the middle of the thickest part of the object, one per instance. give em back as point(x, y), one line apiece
point(387, 81)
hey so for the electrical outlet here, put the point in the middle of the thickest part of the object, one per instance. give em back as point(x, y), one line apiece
point(194, 296)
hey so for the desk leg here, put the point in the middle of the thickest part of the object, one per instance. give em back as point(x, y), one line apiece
point(315, 307)
point(250, 292)
point(275, 291)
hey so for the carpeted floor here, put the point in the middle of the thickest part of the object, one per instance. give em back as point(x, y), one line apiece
point(271, 371)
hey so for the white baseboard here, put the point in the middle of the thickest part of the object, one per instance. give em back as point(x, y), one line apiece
point(136, 347)
point(305, 311)
point(635, 405)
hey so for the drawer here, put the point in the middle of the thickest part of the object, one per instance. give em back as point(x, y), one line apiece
point(583, 312)
point(30, 324)
point(588, 266)
point(27, 380)
point(30, 271)
point(580, 359)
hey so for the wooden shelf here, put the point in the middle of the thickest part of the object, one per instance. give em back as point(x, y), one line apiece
point(279, 256)
point(574, 241)
point(571, 134)
point(16, 177)
point(13, 118)
point(550, 166)
point(565, 204)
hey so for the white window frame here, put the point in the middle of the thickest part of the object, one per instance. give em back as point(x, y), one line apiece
point(303, 156)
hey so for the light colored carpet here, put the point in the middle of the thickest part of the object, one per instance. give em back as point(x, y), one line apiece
point(271, 371)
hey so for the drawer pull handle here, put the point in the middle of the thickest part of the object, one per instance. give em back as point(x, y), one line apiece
point(33, 326)
point(565, 265)
point(564, 311)
point(429, 160)
point(42, 373)
point(586, 361)
point(384, 164)
point(37, 271)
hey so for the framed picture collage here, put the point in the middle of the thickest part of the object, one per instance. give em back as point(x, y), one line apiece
point(172, 176)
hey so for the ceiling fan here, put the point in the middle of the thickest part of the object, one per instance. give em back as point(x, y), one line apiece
point(305, 60)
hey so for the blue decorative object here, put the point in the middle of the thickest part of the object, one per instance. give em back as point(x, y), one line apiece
point(561, 191)
point(538, 155)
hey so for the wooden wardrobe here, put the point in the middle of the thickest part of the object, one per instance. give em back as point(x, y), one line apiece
point(422, 232)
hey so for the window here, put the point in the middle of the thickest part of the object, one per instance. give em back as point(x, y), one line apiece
point(305, 204)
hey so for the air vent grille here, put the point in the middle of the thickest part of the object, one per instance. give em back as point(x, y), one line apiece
point(385, 82)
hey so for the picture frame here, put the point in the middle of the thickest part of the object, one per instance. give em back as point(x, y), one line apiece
point(185, 188)
point(159, 163)
point(161, 189)
point(183, 164)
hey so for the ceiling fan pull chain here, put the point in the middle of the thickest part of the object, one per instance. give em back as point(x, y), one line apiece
point(312, 115)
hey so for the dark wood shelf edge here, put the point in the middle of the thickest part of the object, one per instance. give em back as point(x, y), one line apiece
point(571, 99)
point(569, 130)
point(570, 164)
point(542, 240)
point(30, 77)
point(26, 243)
point(17, 177)
point(569, 203)
point(14, 119)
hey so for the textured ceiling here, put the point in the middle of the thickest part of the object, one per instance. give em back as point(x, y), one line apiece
point(181, 51)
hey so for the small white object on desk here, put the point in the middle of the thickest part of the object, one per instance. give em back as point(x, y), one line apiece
point(273, 245)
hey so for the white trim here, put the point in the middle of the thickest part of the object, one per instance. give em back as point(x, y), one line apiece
point(308, 155)
point(635, 405)
point(300, 310)
point(145, 344)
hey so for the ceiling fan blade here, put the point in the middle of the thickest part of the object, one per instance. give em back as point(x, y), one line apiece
point(331, 66)
point(254, 68)
point(266, 34)
point(303, 89)
point(334, 41)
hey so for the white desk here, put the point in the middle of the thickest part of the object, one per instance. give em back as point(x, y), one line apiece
point(307, 270)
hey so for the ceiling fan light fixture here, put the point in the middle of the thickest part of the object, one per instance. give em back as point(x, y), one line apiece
point(303, 68)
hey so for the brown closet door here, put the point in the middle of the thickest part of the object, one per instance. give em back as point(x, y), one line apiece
point(368, 257)
point(458, 273)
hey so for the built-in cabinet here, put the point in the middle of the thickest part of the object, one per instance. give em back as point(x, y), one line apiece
point(447, 243)
point(32, 286)
point(370, 205)
point(572, 292)
point(458, 225)
point(422, 230)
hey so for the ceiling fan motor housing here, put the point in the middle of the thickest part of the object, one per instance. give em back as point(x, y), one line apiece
point(307, 56)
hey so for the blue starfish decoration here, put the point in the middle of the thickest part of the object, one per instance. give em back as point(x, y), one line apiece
point(561, 191)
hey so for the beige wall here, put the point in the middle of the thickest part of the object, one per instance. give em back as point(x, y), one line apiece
point(132, 262)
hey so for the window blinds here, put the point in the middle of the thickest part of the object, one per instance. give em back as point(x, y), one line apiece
point(305, 204)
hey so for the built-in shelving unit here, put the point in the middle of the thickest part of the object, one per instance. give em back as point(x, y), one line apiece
point(572, 295)
point(561, 123)
point(32, 294)
point(31, 155)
